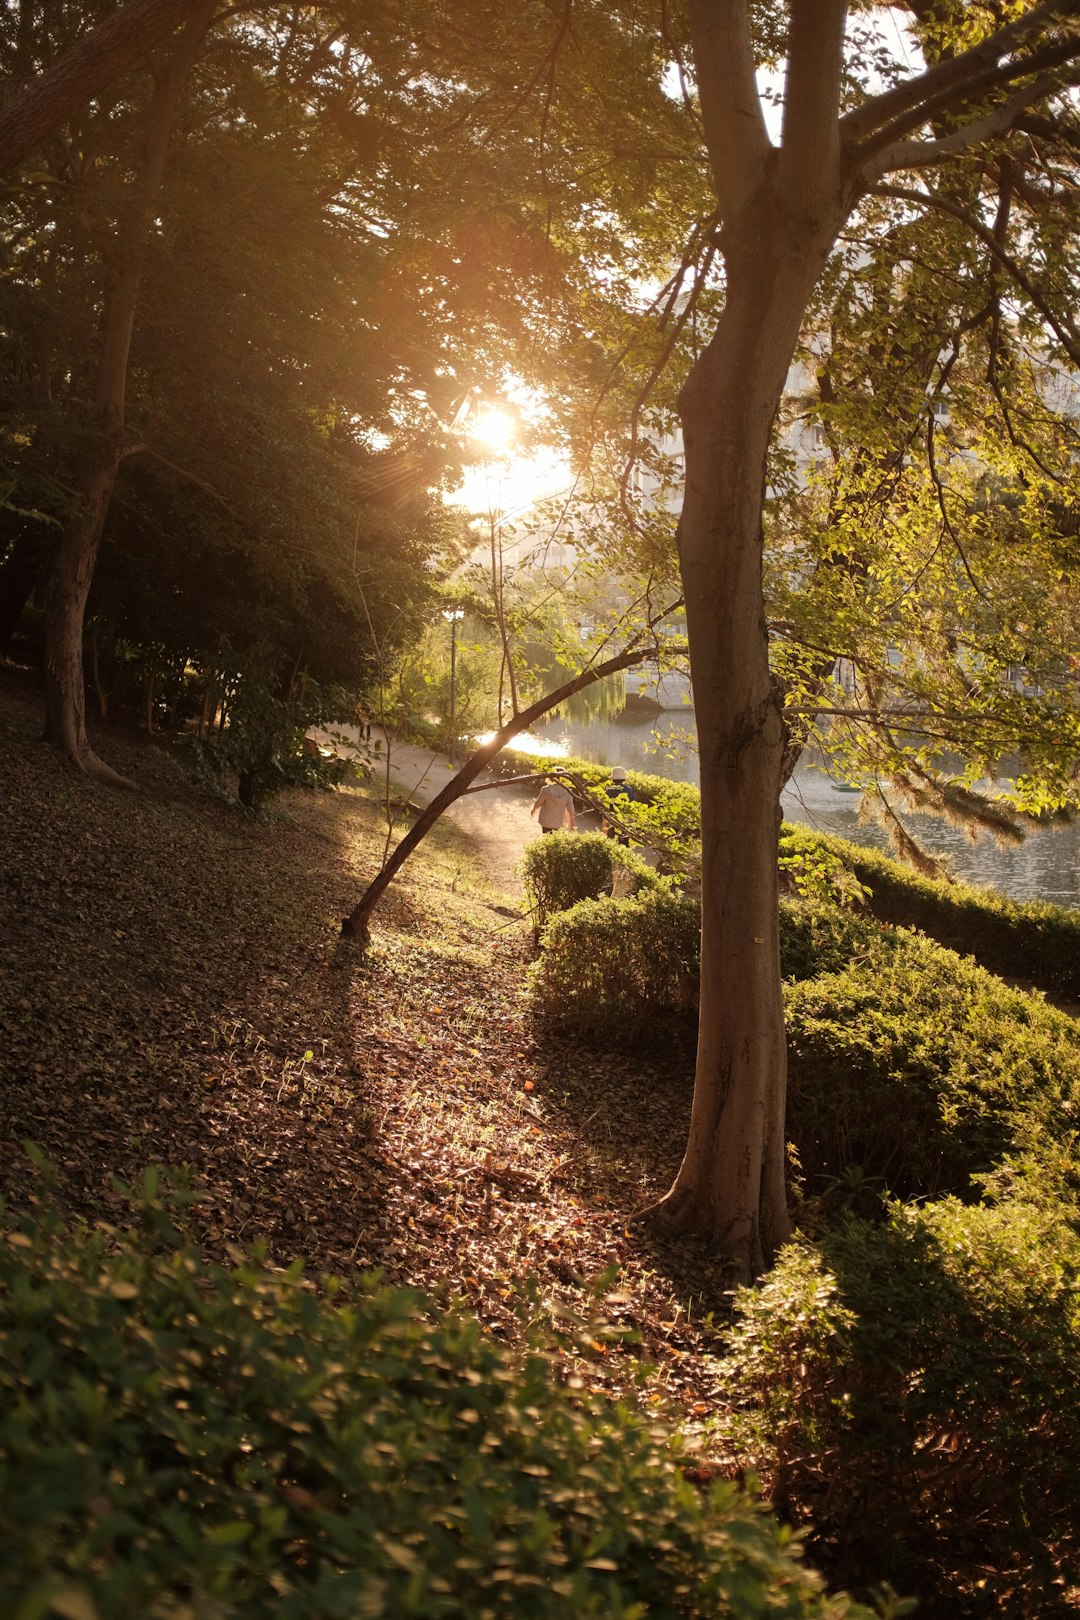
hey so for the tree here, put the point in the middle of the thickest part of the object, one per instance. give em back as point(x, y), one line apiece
point(782, 207)
point(38, 107)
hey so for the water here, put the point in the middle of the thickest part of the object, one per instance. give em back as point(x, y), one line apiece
point(1046, 866)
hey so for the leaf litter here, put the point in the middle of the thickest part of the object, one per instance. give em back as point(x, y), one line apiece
point(173, 991)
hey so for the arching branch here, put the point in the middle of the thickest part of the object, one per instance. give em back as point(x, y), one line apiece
point(356, 924)
point(1064, 331)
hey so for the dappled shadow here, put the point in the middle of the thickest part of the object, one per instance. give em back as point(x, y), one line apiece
point(166, 996)
point(934, 1442)
point(629, 1113)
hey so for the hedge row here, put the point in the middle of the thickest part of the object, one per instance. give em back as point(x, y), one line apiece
point(922, 1069)
point(908, 1064)
point(1032, 941)
point(611, 966)
point(910, 1388)
point(179, 1440)
point(678, 804)
point(563, 868)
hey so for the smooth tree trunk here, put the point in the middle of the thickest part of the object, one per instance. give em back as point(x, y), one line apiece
point(73, 567)
point(731, 1185)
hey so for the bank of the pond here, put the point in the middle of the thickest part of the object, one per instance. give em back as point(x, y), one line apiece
point(1045, 867)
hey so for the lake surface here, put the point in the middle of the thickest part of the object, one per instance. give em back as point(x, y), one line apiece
point(1046, 866)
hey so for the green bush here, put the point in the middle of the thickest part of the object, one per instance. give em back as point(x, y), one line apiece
point(821, 938)
point(911, 1389)
point(620, 966)
point(919, 1067)
point(677, 804)
point(180, 1440)
point(1037, 942)
point(563, 868)
point(613, 966)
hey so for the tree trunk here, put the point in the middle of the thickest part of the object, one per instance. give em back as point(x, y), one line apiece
point(73, 568)
point(83, 71)
point(731, 1185)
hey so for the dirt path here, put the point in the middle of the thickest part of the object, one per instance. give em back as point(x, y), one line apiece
point(496, 820)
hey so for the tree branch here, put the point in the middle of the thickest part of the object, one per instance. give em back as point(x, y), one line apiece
point(958, 76)
point(810, 142)
point(735, 134)
point(1065, 333)
point(355, 925)
point(94, 61)
point(1003, 118)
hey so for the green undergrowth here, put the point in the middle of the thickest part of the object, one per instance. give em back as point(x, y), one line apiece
point(1034, 941)
point(923, 1070)
point(563, 868)
point(909, 1388)
point(184, 1440)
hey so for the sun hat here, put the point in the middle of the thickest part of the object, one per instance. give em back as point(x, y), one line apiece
point(618, 774)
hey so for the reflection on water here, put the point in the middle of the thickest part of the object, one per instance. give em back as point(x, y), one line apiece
point(1046, 866)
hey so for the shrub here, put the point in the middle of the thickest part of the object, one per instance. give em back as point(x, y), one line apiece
point(821, 938)
point(626, 966)
point(923, 1069)
point(563, 868)
point(911, 1388)
point(178, 1439)
point(677, 804)
point(261, 752)
point(613, 966)
point(1033, 941)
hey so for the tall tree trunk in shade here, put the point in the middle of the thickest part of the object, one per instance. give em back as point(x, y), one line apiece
point(73, 567)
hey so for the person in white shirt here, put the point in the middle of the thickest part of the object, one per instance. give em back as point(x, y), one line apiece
point(554, 805)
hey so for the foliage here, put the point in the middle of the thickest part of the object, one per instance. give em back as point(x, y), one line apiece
point(262, 750)
point(813, 869)
point(910, 1388)
point(923, 1069)
point(1033, 941)
point(178, 1437)
point(616, 940)
point(819, 937)
point(625, 967)
point(563, 868)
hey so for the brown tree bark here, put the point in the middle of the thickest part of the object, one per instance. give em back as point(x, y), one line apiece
point(73, 567)
point(84, 70)
point(782, 211)
point(731, 1185)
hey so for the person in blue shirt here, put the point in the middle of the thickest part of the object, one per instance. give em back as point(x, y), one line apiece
point(619, 792)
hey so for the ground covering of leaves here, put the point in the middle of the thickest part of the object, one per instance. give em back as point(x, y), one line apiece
point(173, 990)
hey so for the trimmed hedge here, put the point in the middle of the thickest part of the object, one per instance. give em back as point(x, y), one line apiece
point(626, 966)
point(613, 966)
point(911, 1389)
point(1032, 941)
point(908, 1065)
point(179, 1440)
point(921, 1068)
point(563, 868)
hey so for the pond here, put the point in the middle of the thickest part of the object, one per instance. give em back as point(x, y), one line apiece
point(1046, 866)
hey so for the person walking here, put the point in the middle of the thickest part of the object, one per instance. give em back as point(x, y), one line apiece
point(618, 789)
point(554, 805)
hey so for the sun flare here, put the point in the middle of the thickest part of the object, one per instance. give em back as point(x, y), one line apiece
point(495, 429)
